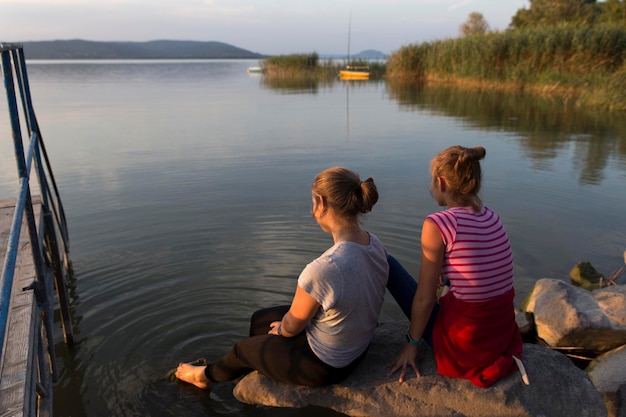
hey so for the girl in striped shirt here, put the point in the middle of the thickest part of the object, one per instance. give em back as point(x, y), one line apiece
point(472, 329)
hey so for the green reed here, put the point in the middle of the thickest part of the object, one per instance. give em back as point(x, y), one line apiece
point(303, 67)
point(589, 61)
point(298, 67)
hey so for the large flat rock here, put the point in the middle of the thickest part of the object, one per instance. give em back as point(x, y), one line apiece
point(557, 388)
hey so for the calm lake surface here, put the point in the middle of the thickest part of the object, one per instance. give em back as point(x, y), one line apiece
point(186, 186)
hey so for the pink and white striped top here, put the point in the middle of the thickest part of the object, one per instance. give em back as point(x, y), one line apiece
point(478, 260)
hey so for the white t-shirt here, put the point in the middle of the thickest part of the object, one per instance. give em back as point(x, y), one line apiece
point(349, 281)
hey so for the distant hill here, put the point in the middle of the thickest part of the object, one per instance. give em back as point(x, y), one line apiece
point(160, 49)
point(367, 54)
point(370, 54)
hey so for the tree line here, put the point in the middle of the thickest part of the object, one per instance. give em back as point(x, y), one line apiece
point(545, 13)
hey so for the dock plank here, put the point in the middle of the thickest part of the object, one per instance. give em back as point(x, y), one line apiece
point(16, 390)
point(7, 207)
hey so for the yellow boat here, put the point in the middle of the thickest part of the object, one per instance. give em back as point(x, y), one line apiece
point(354, 73)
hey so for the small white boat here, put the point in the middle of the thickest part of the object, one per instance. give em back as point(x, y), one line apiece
point(254, 70)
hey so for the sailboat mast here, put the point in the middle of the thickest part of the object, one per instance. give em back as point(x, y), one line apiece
point(351, 72)
point(349, 32)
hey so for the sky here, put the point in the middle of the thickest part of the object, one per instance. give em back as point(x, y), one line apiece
point(272, 27)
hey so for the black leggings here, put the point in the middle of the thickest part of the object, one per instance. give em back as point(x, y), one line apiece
point(288, 360)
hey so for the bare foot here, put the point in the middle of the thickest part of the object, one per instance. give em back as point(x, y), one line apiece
point(193, 375)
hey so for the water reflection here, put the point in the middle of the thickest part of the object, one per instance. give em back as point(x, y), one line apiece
point(547, 127)
point(311, 85)
point(295, 85)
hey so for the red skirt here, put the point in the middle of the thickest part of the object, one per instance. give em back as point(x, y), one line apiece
point(477, 340)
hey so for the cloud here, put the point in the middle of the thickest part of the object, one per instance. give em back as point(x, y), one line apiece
point(458, 5)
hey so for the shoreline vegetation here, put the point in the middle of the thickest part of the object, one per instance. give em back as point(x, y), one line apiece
point(585, 65)
point(311, 67)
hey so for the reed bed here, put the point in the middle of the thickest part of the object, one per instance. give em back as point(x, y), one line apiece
point(299, 67)
point(586, 62)
point(302, 67)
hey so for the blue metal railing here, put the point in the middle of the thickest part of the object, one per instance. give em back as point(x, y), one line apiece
point(15, 78)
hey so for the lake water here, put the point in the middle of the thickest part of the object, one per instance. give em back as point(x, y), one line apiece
point(186, 186)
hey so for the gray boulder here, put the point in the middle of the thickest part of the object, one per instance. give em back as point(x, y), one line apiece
point(608, 374)
point(557, 388)
point(568, 316)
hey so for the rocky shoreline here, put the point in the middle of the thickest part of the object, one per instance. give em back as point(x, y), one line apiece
point(574, 355)
point(586, 321)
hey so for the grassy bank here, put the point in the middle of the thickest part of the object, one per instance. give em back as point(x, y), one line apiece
point(310, 67)
point(298, 66)
point(587, 64)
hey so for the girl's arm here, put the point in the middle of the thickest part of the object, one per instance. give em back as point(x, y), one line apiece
point(433, 251)
point(303, 308)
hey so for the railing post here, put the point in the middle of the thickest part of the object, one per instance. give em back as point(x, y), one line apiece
point(33, 127)
point(61, 287)
point(44, 244)
point(23, 174)
point(6, 279)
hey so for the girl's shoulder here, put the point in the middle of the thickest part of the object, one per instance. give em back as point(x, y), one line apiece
point(448, 215)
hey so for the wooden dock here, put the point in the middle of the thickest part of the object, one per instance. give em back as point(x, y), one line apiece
point(19, 363)
point(34, 256)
